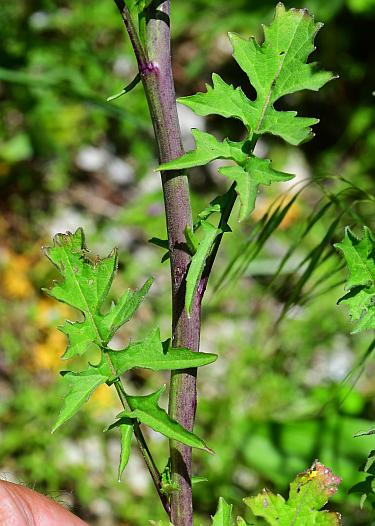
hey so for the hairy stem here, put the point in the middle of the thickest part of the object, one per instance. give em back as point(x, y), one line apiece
point(158, 84)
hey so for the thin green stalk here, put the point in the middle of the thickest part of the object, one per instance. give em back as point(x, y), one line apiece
point(150, 463)
point(154, 472)
point(131, 27)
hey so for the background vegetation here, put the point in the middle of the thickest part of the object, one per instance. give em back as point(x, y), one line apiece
point(291, 383)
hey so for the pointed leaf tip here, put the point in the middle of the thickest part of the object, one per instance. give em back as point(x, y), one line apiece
point(223, 515)
point(126, 432)
point(198, 262)
point(147, 410)
point(152, 353)
point(275, 68)
point(80, 388)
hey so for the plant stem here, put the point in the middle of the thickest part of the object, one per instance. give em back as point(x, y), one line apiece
point(155, 70)
point(158, 84)
point(139, 51)
point(154, 472)
point(185, 331)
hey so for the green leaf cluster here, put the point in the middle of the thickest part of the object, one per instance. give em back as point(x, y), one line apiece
point(85, 286)
point(366, 488)
point(359, 254)
point(275, 68)
point(309, 492)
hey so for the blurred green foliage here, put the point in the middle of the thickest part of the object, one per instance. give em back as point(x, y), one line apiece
point(281, 394)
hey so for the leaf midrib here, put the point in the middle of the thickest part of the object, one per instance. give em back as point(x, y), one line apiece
point(91, 316)
point(273, 83)
point(365, 266)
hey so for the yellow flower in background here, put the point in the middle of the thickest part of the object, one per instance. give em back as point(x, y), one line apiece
point(14, 280)
point(266, 204)
point(103, 398)
point(47, 354)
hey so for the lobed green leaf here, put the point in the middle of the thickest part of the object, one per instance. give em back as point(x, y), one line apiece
point(147, 410)
point(208, 148)
point(220, 99)
point(308, 493)
point(275, 68)
point(151, 353)
point(359, 254)
point(248, 178)
point(124, 309)
point(80, 386)
point(85, 286)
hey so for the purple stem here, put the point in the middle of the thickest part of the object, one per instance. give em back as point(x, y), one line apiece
point(160, 93)
point(156, 72)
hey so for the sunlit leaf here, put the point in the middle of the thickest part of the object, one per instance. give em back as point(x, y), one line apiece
point(308, 493)
point(126, 431)
point(151, 353)
point(359, 254)
point(85, 286)
point(275, 68)
point(79, 388)
point(147, 410)
point(198, 261)
point(125, 308)
point(223, 515)
point(248, 178)
point(208, 148)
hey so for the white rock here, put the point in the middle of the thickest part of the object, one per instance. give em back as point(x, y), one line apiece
point(68, 219)
point(296, 164)
point(102, 509)
point(150, 183)
point(188, 119)
point(261, 148)
point(93, 454)
point(72, 453)
point(39, 20)
point(115, 236)
point(123, 67)
point(137, 475)
point(119, 171)
point(92, 159)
